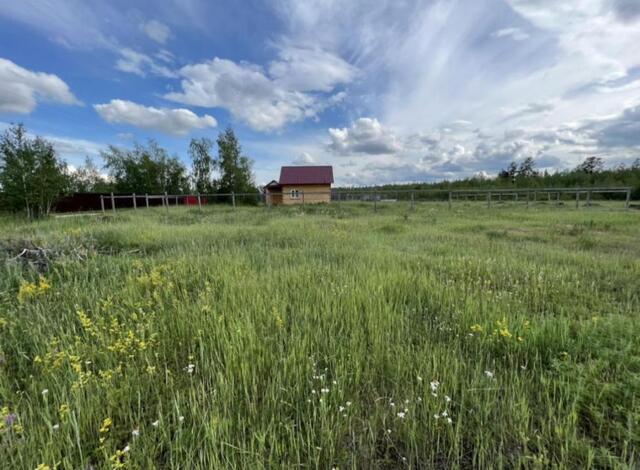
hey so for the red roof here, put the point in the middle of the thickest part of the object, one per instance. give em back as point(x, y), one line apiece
point(306, 175)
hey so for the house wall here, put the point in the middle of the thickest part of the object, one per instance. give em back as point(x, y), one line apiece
point(313, 194)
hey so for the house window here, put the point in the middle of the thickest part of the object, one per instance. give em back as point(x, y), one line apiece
point(295, 194)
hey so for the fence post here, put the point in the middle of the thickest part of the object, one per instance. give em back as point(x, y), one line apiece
point(135, 204)
point(166, 201)
point(233, 199)
point(375, 202)
point(489, 200)
point(413, 201)
point(627, 203)
point(516, 197)
point(113, 203)
point(549, 196)
point(146, 200)
point(577, 199)
point(102, 203)
point(199, 203)
point(450, 196)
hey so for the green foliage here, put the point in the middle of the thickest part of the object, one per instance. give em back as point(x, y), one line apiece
point(325, 336)
point(87, 179)
point(235, 169)
point(203, 164)
point(31, 175)
point(145, 169)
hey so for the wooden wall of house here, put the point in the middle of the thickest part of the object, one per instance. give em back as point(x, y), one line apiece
point(313, 194)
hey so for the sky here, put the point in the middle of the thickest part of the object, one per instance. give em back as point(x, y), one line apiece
point(385, 91)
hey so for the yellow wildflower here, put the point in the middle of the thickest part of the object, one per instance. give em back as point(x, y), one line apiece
point(477, 328)
point(43, 466)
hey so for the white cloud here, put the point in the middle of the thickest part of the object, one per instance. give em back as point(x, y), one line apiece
point(305, 158)
point(364, 136)
point(306, 69)
point(170, 121)
point(514, 33)
point(156, 30)
point(21, 89)
point(134, 62)
point(266, 102)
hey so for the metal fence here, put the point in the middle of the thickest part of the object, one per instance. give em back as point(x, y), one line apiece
point(488, 197)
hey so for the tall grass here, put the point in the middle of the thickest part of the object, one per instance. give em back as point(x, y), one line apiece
point(323, 337)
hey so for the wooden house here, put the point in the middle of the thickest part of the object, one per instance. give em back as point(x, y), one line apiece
point(301, 185)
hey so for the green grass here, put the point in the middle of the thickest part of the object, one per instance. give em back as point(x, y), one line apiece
point(309, 332)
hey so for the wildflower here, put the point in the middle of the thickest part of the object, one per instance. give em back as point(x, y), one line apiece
point(341, 409)
point(106, 424)
point(489, 374)
point(324, 390)
point(135, 433)
point(45, 392)
point(388, 431)
point(155, 423)
point(444, 414)
point(335, 382)
point(348, 403)
point(419, 379)
point(180, 419)
point(392, 404)
point(477, 328)
point(43, 466)
point(313, 391)
point(10, 418)
point(434, 386)
point(401, 415)
point(55, 427)
point(190, 368)
point(449, 420)
point(436, 416)
point(447, 398)
point(126, 448)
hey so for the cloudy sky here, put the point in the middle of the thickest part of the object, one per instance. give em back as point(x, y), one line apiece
point(386, 91)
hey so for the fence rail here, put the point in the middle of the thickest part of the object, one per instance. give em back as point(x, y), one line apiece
point(529, 196)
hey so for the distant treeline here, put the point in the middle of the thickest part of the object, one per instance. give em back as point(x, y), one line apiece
point(592, 172)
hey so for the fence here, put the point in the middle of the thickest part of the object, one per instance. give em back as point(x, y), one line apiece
point(490, 197)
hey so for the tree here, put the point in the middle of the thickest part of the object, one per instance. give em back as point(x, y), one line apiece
point(87, 179)
point(235, 169)
point(510, 172)
point(591, 165)
point(203, 165)
point(636, 164)
point(145, 170)
point(31, 175)
point(527, 168)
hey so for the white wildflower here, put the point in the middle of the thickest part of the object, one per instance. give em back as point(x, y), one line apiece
point(489, 374)
point(434, 385)
point(190, 368)
point(180, 419)
point(341, 409)
point(419, 379)
point(45, 391)
point(449, 420)
point(126, 448)
point(135, 433)
point(55, 427)
point(447, 398)
point(348, 403)
point(324, 390)
point(155, 423)
point(401, 415)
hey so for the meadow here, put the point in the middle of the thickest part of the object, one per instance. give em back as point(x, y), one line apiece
point(323, 337)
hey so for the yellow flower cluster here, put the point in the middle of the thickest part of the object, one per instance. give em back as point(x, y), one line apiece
point(502, 330)
point(29, 290)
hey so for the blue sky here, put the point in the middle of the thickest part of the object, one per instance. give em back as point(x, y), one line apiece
point(385, 91)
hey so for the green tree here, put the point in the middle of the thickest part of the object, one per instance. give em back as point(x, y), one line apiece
point(527, 168)
point(145, 169)
point(591, 165)
point(203, 165)
point(32, 176)
point(235, 169)
point(87, 179)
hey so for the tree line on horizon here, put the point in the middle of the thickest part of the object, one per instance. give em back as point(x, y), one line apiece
point(33, 176)
point(590, 173)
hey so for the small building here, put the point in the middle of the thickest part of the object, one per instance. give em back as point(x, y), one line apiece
point(300, 185)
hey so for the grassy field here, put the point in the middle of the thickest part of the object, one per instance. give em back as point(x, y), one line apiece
point(324, 337)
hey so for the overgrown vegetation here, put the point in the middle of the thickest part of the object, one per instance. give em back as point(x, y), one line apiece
point(323, 337)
